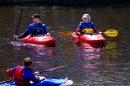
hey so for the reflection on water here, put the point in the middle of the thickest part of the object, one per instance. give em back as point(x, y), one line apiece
point(38, 51)
point(34, 50)
point(111, 45)
point(87, 65)
point(87, 51)
point(110, 51)
point(89, 60)
point(96, 64)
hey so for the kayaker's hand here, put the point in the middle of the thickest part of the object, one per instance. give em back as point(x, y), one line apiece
point(36, 73)
point(48, 34)
point(15, 36)
point(11, 78)
point(78, 33)
point(100, 32)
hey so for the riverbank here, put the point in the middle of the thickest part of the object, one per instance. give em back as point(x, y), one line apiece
point(62, 2)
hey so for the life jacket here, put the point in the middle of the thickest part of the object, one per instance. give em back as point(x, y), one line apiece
point(18, 77)
point(86, 29)
point(37, 30)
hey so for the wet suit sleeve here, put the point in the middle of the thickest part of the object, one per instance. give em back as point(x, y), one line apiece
point(13, 69)
point(79, 29)
point(27, 32)
point(28, 74)
point(44, 28)
point(92, 25)
point(10, 72)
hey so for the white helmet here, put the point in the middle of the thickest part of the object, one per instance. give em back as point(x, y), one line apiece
point(86, 16)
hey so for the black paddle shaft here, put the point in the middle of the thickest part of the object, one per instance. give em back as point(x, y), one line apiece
point(19, 20)
point(52, 69)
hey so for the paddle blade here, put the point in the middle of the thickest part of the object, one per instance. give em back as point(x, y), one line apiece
point(111, 33)
point(63, 34)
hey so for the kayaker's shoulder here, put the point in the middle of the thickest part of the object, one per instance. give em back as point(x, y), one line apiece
point(43, 24)
point(81, 22)
point(31, 25)
point(91, 22)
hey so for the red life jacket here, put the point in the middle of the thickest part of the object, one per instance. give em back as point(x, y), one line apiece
point(18, 78)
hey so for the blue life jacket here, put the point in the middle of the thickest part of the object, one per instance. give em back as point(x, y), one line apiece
point(37, 30)
point(86, 26)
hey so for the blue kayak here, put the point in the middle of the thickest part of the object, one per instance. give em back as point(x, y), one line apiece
point(45, 82)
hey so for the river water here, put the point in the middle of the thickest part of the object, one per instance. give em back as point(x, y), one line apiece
point(108, 66)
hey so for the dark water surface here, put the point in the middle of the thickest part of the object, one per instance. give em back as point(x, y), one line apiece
point(86, 66)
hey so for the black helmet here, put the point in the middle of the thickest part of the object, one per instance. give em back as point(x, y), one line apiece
point(35, 16)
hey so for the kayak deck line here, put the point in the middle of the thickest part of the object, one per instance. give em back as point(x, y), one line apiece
point(45, 82)
point(91, 39)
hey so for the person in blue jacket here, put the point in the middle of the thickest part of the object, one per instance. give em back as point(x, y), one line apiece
point(23, 74)
point(86, 24)
point(36, 28)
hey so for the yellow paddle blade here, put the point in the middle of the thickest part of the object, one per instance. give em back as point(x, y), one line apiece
point(111, 33)
point(63, 34)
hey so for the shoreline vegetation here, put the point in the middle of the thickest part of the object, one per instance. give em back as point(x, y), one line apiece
point(62, 2)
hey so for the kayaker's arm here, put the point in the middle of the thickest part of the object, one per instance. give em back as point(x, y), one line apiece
point(31, 76)
point(93, 27)
point(27, 32)
point(95, 30)
point(37, 79)
point(44, 28)
point(10, 71)
point(78, 30)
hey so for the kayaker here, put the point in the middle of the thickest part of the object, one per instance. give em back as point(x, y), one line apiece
point(23, 74)
point(86, 26)
point(35, 29)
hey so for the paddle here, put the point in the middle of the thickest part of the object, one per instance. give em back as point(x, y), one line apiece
point(19, 20)
point(47, 70)
point(109, 33)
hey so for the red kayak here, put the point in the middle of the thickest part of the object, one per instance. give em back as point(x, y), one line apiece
point(89, 38)
point(41, 40)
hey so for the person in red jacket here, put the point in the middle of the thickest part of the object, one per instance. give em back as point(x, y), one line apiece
point(23, 74)
point(86, 24)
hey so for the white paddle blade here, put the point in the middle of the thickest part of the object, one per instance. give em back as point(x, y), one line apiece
point(67, 83)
